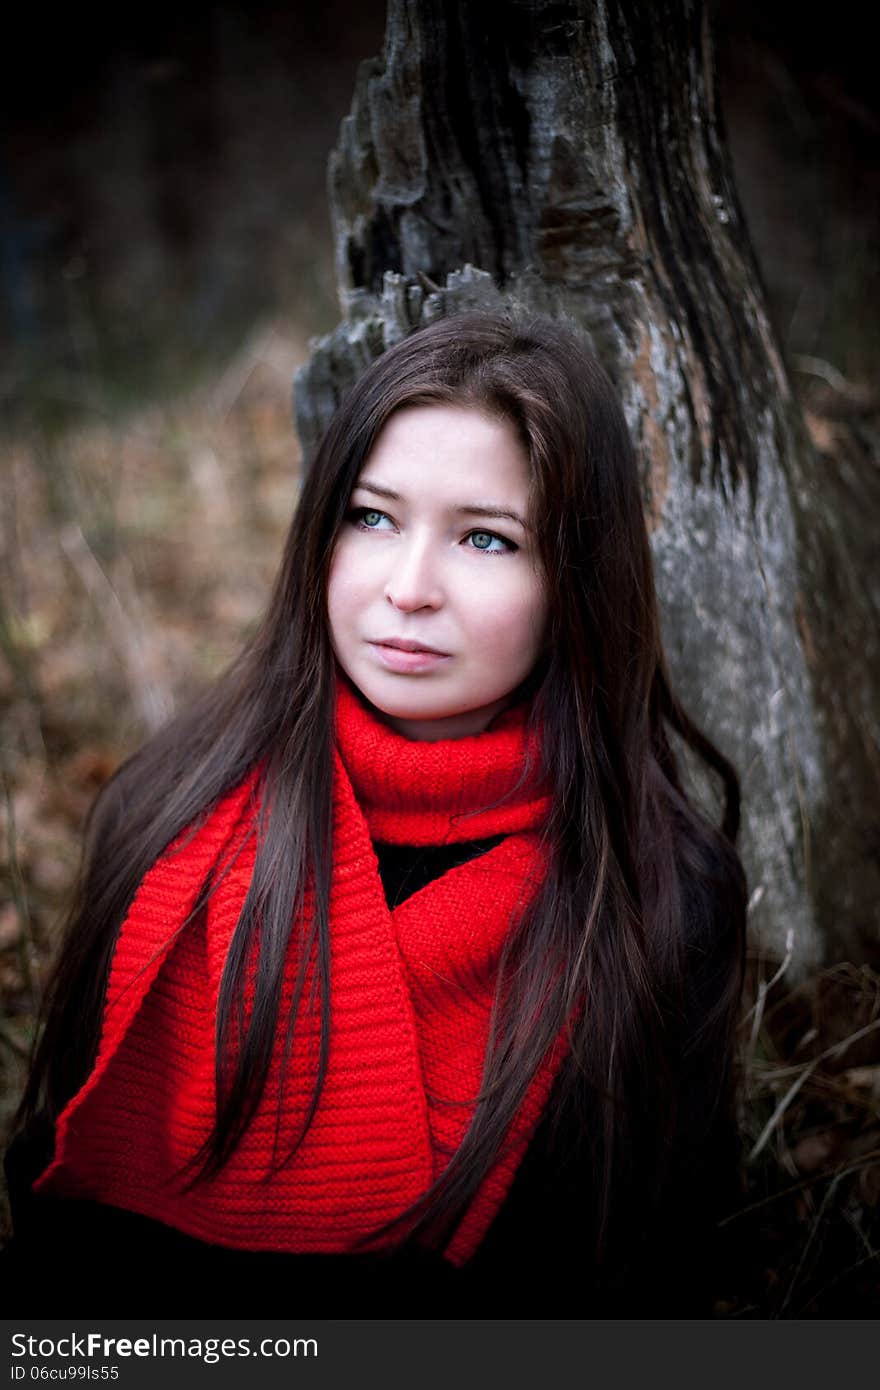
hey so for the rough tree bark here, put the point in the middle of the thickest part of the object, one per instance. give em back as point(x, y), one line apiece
point(571, 157)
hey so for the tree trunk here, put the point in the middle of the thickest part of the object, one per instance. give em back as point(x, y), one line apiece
point(571, 157)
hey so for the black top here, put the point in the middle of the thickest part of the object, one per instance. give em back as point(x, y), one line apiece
point(404, 869)
point(76, 1258)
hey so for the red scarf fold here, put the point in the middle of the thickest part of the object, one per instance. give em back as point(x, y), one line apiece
point(411, 995)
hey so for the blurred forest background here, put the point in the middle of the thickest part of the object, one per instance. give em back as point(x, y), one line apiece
point(165, 257)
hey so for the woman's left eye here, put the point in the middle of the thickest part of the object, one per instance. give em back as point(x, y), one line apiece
point(489, 543)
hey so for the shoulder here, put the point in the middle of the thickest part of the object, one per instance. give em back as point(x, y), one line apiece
point(713, 894)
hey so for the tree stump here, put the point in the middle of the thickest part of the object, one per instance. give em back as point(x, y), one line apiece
point(571, 158)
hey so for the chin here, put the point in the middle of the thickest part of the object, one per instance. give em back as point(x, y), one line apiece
point(411, 703)
point(404, 708)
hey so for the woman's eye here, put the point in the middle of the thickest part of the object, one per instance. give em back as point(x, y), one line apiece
point(371, 519)
point(488, 542)
point(368, 518)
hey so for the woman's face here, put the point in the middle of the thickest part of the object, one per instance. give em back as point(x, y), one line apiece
point(436, 601)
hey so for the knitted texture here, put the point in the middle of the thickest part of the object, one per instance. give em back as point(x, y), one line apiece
point(411, 994)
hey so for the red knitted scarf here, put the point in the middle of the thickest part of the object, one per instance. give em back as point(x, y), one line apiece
point(411, 993)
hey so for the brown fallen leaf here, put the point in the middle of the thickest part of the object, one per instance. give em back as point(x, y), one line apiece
point(10, 926)
point(813, 1151)
point(867, 1078)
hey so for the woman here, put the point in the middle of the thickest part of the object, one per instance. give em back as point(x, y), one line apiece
point(403, 972)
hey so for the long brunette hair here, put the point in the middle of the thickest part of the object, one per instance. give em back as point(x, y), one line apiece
point(604, 947)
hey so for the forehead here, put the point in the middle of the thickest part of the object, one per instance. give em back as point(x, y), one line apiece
point(447, 448)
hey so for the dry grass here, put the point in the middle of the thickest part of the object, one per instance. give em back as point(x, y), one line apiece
point(137, 553)
point(806, 1240)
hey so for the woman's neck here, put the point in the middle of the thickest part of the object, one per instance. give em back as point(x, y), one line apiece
point(462, 725)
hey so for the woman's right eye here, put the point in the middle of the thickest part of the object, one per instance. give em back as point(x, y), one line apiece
point(368, 519)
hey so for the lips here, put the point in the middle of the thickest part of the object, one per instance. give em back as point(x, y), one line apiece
point(404, 645)
point(407, 658)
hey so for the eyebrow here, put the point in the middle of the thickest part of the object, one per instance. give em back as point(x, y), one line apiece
point(472, 509)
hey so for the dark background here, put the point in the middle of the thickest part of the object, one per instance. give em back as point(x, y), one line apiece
point(162, 176)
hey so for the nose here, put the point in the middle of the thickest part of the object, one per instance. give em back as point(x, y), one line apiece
point(413, 580)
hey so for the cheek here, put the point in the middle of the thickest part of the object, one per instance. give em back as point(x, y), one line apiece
point(343, 590)
point(339, 603)
point(514, 621)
